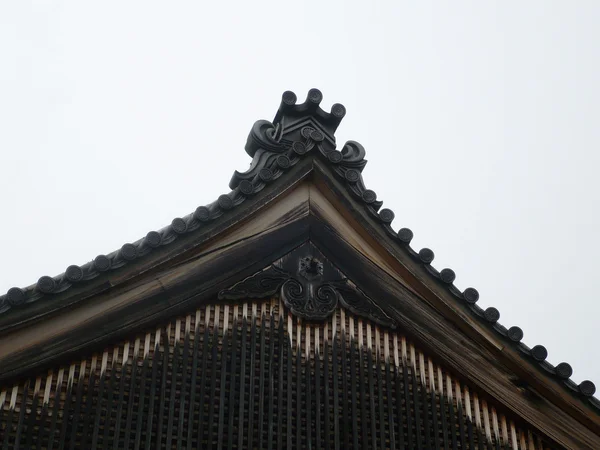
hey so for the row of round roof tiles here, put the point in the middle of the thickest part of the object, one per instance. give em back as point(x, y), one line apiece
point(179, 226)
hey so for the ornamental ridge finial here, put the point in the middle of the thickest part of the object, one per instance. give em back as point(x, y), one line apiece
point(289, 111)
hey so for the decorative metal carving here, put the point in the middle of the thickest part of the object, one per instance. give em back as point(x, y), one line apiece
point(310, 286)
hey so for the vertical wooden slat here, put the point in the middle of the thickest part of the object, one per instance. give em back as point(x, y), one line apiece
point(505, 432)
point(252, 376)
point(308, 384)
point(451, 415)
point(411, 438)
point(225, 354)
point(370, 363)
point(389, 393)
point(271, 371)
point(478, 425)
point(6, 433)
point(380, 391)
point(33, 416)
point(327, 391)
point(20, 420)
point(174, 367)
point(513, 436)
point(345, 390)
point(417, 407)
point(460, 413)
point(289, 386)
point(280, 387)
point(124, 363)
point(399, 384)
point(353, 382)
point(496, 428)
point(132, 394)
point(318, 399)
point(181, 424)
point(99, 409)
point(432, 394)
point(522, 442)
point(89, 407)
point(214, 362)
point(424, 400)
point(142, 399)
point(45, 407)
point(233, 382)
point(336, 389)
point(362, 361)
point(299, 392)
point(261, 379)
point(442, 395)
point(243, 358)
point(55, 408)
point(530, 442)
point(150, 423)
point(468, 411)
point(109, 399)
point(486, 421)
point(66, 420)
point(75, 422)
point(163, 385)
point(9, 417)
point(193, 384)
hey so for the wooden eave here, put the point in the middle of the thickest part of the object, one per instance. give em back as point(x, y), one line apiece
point(310, 201)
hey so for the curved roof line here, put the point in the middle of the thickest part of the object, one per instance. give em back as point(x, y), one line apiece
point(273, 154)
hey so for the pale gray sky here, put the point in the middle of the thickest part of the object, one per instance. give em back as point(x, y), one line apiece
point(480, 122)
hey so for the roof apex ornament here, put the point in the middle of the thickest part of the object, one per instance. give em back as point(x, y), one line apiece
point(296, 130)
point(289, 111)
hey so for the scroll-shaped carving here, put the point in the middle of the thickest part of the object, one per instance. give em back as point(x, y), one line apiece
point(310, 286)
point(259, 285)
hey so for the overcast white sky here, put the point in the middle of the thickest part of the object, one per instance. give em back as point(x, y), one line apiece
point(480, 122)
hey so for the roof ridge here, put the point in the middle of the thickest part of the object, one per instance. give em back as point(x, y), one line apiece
point(272, 156)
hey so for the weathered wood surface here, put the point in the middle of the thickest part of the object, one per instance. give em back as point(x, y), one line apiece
point(143, 394)
point(184, 246)
point(327, 215)
point(148, 300)
point(484, 358)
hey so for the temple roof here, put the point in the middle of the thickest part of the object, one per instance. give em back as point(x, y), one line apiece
point(298, 131)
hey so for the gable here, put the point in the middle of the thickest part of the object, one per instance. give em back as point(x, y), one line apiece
point(250, 374)
point(298, 191)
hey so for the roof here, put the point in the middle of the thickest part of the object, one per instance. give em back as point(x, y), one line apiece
point(274, 154)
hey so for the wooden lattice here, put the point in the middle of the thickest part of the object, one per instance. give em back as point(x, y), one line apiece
point(251, 375)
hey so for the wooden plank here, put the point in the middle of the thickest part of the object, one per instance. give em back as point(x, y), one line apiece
point(280, 387)
point(271, 370)
point(21, 418)
point(490, 347)
point(142, 399)
point(185, 363)
point(193, 384)
point(243, 364)
point(111, 317)
point(327, 392)
point(233, 384)
point(275, 193)
point(345, 390)
point(78, 405)
point(33, 415)
point(436, 334)
point(152, 398)
point(353, 392)
point(122, 382)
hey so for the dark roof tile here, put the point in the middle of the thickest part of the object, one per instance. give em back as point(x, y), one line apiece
point(306, 128)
